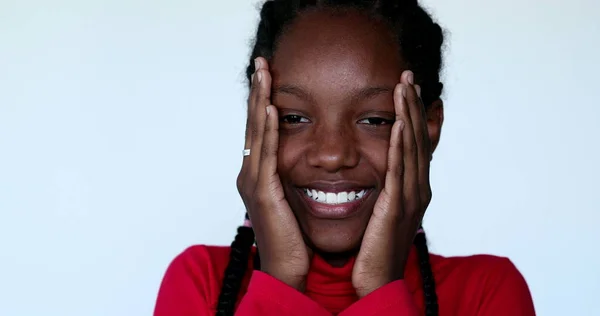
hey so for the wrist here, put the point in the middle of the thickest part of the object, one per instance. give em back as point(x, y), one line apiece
point(374, 284)
point(296, 282)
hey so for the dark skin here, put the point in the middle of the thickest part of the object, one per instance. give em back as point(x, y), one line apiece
point(336, 104)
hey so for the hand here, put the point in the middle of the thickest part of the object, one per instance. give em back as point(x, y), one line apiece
point(283, 253)
point(399, 210)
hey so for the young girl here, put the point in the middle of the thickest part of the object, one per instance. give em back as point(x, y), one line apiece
point(344, 115)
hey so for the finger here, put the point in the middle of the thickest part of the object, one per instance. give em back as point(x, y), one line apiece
point(263, 93)
point(422, 107)
point(395, 165)
point(261, 101)
point(266, 170)
point(250, 119)
point(251, 104)
point(244, 184)
point(410, 155)
point(270, 145)
point(417, 114)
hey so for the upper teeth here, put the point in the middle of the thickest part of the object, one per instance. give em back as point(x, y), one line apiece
point(334, 198)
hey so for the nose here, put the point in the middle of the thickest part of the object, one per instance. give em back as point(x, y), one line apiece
point(333, 149)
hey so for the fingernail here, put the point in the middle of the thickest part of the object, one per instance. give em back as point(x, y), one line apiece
point(256, 64)
point(259, 75)
point(410, 77)
point(418, 88)
point(268, 110)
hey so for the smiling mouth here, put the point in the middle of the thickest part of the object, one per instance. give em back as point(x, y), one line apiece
point(334, 205)
point(335, 198)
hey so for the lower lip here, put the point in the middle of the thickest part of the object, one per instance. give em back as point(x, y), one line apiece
point(333, 211)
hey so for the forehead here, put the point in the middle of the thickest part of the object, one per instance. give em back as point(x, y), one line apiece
point(337, 48)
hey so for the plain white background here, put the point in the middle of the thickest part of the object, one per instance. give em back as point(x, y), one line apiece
point(121, 129)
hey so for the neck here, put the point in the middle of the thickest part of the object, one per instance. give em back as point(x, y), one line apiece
point(337, 259)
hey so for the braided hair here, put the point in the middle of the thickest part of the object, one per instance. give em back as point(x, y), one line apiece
point(420, 40)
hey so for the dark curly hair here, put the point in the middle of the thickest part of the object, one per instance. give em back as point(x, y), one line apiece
point(420, 40)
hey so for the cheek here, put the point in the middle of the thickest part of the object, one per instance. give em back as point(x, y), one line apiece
point(375, 151)
point(289, 154)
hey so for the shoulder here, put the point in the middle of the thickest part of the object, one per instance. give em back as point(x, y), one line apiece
point(193, 278)
point(475, 265)
point(203, 264)
point(493, 281)
point(202, 255)
point(198, 261)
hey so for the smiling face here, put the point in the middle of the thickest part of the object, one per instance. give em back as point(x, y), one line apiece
point(333, 82)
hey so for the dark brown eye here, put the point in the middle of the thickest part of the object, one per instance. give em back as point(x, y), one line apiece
point(293, 119)
point(376, 121)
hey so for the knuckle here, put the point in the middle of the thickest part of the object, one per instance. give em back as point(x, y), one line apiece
point(244, 186)
point(399, 91)
point(261, 199)
point(261, 95)
point(268, 151)
point(397, 171)
point(255, 131)
point(254, 87)
point(412, 147)
point(244, 190)
point(385, 206)
point(395, 168)
point(271, 128)
point(240, 183)
point(413, 98)
point(413, 208)
point(427, 195)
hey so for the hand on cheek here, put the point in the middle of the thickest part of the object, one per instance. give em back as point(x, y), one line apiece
point(283, 253)
point(399, 210)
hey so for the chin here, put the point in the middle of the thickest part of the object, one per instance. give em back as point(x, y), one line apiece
point(328, 245)
point(334, 236)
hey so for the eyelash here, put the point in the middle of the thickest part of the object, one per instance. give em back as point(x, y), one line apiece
point(295, 119)
point(380, 121)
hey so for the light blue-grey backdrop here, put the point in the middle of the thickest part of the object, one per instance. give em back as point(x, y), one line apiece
point(121, 129)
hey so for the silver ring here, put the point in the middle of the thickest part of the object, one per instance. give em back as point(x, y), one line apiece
point(246, 152)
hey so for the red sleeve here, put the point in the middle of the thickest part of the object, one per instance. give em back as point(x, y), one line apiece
point(506, 293)
point(391, 299)
point(190, 287)
point(268, 296)
point(179, 294)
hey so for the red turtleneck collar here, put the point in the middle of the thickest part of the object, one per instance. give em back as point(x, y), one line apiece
point(332, 286)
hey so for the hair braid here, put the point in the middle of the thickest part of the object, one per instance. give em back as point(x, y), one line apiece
point(431, 303)
point(236, 268)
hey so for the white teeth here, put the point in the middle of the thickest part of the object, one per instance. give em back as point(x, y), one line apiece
point(342, 197)
point(334, 198)
point(321, 197)
point(351, 196)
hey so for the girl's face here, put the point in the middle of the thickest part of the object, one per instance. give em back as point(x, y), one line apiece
point(333, 82)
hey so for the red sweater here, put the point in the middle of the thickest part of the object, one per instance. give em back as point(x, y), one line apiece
point(466, 286)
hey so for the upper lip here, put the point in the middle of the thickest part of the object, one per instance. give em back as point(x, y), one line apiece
point(335, 186)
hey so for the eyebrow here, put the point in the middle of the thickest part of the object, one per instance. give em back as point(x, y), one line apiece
point(357, 95)
point(295, 91)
